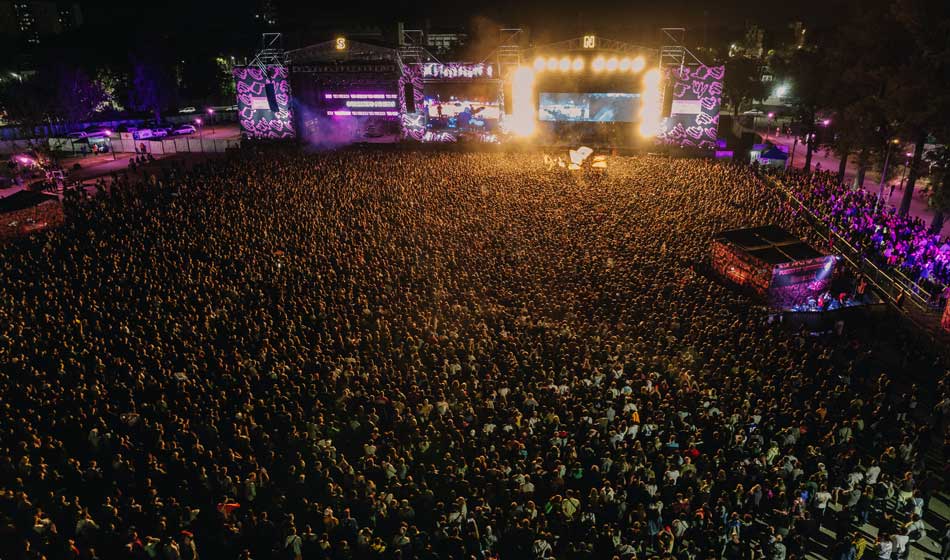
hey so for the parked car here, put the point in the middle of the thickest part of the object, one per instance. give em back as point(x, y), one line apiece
point(128, 128)
point(159, 132)
point(142, 134)
point(185, 110)
point(77, 135)
point(96, 132)
point(184, 129)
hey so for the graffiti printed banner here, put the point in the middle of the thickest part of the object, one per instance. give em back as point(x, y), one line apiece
point(694, 116)
point(254, 111)
point(456, 71)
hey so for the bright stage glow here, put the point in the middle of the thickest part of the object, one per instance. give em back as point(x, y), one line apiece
point(565, 64)
point(598, 64)
point(522, 102)
point(624, 64)
point(539, 64)
point(552, 63)
point(638, 64)
point(578, 64)
point(650, 104)
point(612, 64)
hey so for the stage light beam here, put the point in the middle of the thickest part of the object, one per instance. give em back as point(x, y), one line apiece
point(638, 64)
point(539, 64)
point(612, 64)
point(598, 64)
point(625, 64)
point(522, 102)
point(565, 64)
point(650, 104)
point(578, 64)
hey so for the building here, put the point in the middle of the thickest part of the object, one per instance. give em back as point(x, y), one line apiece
point(30, 21)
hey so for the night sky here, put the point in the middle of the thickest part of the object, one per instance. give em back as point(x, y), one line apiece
point(228, 24)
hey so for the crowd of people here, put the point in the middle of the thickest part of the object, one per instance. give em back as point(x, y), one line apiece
point(877, 231)
point(395, 355)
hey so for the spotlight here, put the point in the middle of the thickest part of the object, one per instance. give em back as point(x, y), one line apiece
point(539, 64)
point(625, 64)
point(598, 64)
point(565, 64)
point(612, 64)
point(552, 63)
point(578, 64)
point(638, 64)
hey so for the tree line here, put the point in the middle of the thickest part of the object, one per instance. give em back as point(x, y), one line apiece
point(880, 71)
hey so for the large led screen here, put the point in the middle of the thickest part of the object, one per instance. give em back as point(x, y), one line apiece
point(254, 109)
point(589, 107)
point(462, 106)
point(361, 104)
point(695, 96)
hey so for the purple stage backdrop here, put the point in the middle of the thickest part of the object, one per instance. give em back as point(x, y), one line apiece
point(413, 124)
point(694, 113)
point(257, 119)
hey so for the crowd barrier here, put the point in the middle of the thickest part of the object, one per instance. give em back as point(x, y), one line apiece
point(45, 130)
point(180, 144)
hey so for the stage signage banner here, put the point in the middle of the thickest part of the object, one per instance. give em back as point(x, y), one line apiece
point(438, 71)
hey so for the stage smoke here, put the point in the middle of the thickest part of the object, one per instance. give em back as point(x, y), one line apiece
point(522, 93)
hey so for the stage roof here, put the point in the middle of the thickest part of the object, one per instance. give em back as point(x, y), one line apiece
point(355, 52)
point(770, 244)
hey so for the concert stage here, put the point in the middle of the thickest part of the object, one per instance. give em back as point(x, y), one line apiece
point(588, 90)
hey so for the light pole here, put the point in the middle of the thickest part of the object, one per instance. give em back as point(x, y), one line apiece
point(907, 156)
point(887, 158)
point(111, 149)
point(211, 119)
point(768, 126)
point(201, 140)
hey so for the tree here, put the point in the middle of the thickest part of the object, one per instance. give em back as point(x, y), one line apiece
point(939, 162)
point(152, 88)
point(920, 85)
point(854, 85)
point(805, 69)
point(77, 96)
point(28, 102)
point(743, 82)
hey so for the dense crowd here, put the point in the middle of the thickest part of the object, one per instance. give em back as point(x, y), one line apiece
point(877, 231)
point(386, 355)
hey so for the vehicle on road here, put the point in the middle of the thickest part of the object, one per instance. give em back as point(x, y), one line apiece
point(186, 110)
point(184, 129)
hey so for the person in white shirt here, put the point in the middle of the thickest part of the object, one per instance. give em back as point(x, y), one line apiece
point(822, 499)
point(900, 541)
point(885, 547)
